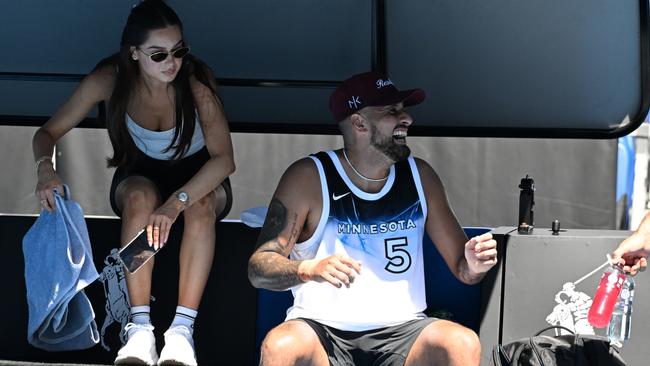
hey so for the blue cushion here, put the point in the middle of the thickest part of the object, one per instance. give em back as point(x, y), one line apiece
point(271, 310)
point(448, 294)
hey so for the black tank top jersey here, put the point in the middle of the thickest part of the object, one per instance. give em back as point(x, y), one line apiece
point(399, 204)
point(384, 232)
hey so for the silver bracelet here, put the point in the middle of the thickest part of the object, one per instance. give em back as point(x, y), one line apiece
point(41, 160)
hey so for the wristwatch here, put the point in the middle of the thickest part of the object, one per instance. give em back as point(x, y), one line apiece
point(183, 197)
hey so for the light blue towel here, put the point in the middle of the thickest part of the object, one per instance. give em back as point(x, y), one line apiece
point(58, 266)
point(254, 217)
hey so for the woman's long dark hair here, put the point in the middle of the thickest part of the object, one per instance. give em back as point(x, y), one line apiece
point(149, 15)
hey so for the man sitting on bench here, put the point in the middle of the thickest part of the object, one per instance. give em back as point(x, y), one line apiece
point(344, 232)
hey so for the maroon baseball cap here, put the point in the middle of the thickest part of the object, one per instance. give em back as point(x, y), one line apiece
point(369, 89)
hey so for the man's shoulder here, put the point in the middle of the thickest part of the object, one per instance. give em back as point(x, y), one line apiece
point(309, 163)
point(428, 176)
point(300, 182)
point(304, 168)
point(423, 166)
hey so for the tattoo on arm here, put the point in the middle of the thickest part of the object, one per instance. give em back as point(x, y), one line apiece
point(275, 222)
point(269, 266)
point(273, 272)
point(467, 276)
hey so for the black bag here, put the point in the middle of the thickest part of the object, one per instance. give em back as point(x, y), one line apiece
point(564, 350)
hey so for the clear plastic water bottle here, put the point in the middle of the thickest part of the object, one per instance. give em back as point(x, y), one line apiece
point(620, 325)
point(606, 297)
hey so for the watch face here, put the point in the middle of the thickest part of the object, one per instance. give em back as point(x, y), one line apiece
point(182, 196)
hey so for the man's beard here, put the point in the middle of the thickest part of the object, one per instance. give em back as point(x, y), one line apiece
point(388, 147)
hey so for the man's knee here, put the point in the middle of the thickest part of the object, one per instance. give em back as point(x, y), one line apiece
point(452, 340)
point(288, 344)
point(282, 343)
point(465, 340)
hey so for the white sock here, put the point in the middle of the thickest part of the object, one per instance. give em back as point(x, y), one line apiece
point(140, 314)
point(184, 316)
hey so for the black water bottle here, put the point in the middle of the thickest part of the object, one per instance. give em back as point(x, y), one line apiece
point(526, 203)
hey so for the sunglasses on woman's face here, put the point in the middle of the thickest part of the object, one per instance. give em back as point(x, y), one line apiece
point(162, 56)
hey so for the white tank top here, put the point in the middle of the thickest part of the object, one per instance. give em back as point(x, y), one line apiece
point(384, 231)
point(154, 143)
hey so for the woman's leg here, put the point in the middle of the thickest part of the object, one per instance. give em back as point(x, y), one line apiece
point(137, 197)
point(197, 247)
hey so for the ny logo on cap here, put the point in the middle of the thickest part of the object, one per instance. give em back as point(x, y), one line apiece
point(352, 103)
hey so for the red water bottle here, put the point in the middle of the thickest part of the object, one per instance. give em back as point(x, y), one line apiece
point(606, 296)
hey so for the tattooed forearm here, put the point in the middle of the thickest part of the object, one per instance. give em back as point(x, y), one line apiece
point(272, 271)
point(269, 266)
point(466, 276)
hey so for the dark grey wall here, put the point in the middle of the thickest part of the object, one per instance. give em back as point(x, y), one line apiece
point(500, 63)
point(536, 63)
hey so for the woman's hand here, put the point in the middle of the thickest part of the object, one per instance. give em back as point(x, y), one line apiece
point(160, 222)
point(48, 181)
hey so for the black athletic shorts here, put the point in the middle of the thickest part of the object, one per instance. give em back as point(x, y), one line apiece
point(167, 175)
point(377, 347)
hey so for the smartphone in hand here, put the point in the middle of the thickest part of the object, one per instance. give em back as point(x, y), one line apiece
point(137, 252)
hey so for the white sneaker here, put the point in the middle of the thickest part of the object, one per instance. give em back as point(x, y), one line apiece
point(140, 349)
point(179, 347)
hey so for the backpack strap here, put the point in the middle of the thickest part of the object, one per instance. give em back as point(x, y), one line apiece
point(499, 356)
point(554, 327)
point(533, 346)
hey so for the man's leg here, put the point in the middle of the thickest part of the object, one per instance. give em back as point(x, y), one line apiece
point(293, 343)
point(445, 343)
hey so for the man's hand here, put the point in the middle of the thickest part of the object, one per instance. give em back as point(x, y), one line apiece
point(337, 269)
point(631, 254)
point(481, 253)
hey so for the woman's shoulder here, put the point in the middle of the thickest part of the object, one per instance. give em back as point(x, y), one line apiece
point(101, 80)
point(200, 73)
point(104, 74)
point(197, 66)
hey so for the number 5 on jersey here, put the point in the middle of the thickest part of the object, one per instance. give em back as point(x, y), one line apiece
point(399, 259)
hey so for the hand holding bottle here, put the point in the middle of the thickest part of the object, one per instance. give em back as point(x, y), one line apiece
point(606, 296)
point(633, 252)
